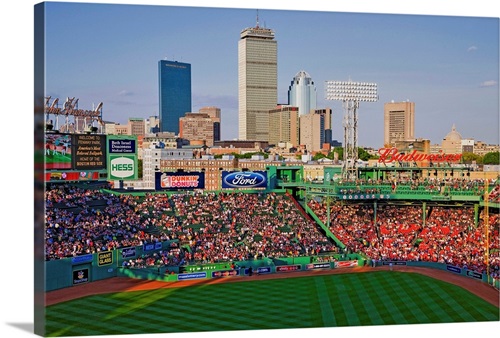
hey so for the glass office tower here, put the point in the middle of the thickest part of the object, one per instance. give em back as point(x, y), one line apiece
point(174, 93)
point(302, 93)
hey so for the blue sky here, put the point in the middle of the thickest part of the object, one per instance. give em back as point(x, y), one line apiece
point(447, 65)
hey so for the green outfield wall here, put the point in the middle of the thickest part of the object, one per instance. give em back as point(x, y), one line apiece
point(72, 272)
point(483, 277)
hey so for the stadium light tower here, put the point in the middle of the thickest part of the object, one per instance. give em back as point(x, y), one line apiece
point(351, 94)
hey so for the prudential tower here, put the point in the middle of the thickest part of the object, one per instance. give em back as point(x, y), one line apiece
point(257, 82)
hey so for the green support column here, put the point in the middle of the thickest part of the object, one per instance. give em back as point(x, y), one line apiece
point(328, 211)
point(476, 215)
point(424, 215)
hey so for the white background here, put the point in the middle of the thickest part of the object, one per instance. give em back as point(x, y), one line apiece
point(16, 227)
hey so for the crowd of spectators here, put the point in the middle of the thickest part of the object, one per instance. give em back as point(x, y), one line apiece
point(163, 258)
point(211, 227)
point(494, 194)
point(440, 234)
point(237, 226)
point(80, 221)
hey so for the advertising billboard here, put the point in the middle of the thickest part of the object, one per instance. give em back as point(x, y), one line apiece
point(80, 276)
point(244, 179)
point(89, 152)
point(58, 154)
point(122, 157)
point(182, 181)
point(71, 176)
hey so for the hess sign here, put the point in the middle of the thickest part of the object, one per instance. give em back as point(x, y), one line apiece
point(122, 167)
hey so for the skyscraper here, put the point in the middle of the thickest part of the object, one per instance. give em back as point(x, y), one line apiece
point(257, 82)
point(201, 126)
point(315, 129)
point(399, 122)
point(174, 93)
point(284, 125)
point(302, 93)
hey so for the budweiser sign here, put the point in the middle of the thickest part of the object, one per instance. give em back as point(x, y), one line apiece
point(388, 155)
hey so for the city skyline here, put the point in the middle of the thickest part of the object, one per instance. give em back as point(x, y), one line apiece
point(448, 66)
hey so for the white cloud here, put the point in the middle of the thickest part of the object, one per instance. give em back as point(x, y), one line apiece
point(125, 93)
point(471, 48)
point(490, 83)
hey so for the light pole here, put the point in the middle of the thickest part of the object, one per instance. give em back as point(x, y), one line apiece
point(351, 94)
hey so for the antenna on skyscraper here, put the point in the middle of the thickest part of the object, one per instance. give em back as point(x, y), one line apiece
point(257, 19)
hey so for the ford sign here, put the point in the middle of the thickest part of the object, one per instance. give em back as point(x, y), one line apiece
point(244, 179)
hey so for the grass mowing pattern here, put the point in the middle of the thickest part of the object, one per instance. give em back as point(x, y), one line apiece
point(377, 298)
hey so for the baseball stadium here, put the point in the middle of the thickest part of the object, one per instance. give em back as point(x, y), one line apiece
point(395, 245)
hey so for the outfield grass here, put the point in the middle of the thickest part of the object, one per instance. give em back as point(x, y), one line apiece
point(376, 298)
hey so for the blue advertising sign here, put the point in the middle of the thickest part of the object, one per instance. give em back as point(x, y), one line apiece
point(453, 269)
point(152, 246)
point(196, 275)
point(81, 259)
point(128, 252)
point(244, 179)
point(183, 180)
point(266, 269)
point(121, 146)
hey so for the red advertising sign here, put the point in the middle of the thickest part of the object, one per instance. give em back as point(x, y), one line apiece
point(388, 155)
point(225, 273)
point(71, 176)
point(346, 264)
point(288, 268)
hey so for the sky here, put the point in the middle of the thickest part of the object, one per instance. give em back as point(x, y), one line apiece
point(447, 65)
point(418, 74)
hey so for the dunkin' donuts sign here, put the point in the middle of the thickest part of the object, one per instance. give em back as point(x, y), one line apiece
point(175, 181)
point(389, 155)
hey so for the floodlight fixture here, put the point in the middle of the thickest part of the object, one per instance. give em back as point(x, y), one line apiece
point(351, 91)
point(351, 94)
